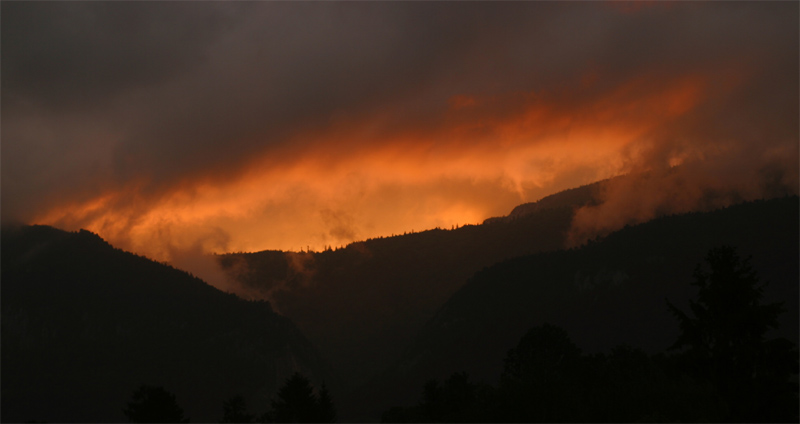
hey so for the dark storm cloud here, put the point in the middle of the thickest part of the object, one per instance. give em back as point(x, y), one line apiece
point(101, 94)
point(66, 55)
point(65, 68)
point(183, 87)
point(290, 67)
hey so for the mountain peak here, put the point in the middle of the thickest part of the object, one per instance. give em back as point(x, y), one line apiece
point(571, 198)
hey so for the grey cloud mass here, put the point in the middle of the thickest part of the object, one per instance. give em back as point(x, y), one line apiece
point(96, 95)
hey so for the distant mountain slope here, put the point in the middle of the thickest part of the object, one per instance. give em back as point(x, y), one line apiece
point(571, 198)
point(604, 294)
point(84, 324)
point(362, 304)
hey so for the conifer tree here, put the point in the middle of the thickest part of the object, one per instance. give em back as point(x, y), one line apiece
point(235, 411)
point(153, 404)
point(325, 409)
point(725, 340)
point(296, 402)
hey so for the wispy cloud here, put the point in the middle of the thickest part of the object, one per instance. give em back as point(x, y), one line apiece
point(286, 125)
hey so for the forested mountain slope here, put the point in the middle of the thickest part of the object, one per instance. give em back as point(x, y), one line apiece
point(84, 324)
point(362, 304)
point(604, 294)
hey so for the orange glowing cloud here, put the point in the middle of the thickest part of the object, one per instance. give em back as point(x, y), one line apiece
point(354, 180)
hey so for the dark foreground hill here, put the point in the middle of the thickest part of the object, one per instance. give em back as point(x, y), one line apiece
point(85, 324)
point(362, 304)
point(605, 294)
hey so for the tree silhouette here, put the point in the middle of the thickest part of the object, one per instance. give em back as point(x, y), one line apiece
point(725, 340)
point(235, 411)
point(153, 404)
point(458, 400)
point(538, 382)
point(326, 412)
point(431, 404)
point(297, 403)
point(547, 379)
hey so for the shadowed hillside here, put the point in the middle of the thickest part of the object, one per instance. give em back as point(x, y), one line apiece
point(363, 303)
point(84, 324)
point(604, 294)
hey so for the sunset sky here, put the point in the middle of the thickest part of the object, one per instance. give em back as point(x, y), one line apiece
point(242, 126)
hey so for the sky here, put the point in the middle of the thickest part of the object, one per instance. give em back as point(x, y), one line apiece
point(174, 127)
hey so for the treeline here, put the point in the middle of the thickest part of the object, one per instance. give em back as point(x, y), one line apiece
point(547, 379)
point(296, 402)
point(721, 369)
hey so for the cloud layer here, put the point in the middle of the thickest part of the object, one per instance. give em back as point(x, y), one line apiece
point(246, 126)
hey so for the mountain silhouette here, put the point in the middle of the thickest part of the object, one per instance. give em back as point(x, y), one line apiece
point(605, 294)
point(362, 304)
point(586, 195)
point(85, 324)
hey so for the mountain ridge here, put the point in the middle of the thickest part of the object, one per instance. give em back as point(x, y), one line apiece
point(84, 324)
point(401, 281)
point(585, 195)
point(608, 292)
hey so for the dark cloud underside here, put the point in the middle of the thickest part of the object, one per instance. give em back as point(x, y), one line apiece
point(155, 98)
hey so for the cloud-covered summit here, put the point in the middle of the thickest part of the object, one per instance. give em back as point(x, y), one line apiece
point(159, 125)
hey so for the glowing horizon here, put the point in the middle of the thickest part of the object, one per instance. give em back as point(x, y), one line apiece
point(337, 190)
point(224, 128)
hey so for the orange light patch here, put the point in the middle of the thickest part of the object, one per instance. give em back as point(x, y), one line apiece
point(353, 181)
